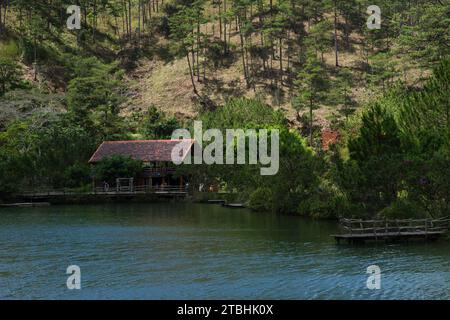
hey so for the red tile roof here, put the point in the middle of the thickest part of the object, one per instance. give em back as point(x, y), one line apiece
point(144, 150)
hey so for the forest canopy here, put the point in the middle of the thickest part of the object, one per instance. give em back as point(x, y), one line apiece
point(139, 69)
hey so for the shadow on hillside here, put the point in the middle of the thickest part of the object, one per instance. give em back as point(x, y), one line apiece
point(220, 88)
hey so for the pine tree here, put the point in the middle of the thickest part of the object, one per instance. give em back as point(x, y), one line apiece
point(313, 83)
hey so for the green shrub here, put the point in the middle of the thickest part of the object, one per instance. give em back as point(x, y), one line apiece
point(158, 125)
point(261, 200)
point(10, 50)
point(402, 209)
point(77, 175)
point(330, 208)
point(326, 202)
point(82, 189)
point(109, 169)
point(10, 75)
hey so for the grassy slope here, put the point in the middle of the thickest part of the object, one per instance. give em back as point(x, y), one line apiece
point(167, 85)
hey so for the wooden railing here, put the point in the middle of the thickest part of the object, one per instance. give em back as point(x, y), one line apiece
point(50, 192)
point(161, 189)
point(142, 189)
point(379, 227)
point(42, 192)
point(159, 171)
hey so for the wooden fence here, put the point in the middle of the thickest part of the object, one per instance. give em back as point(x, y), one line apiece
point(102, 191)
point(356, 230)
point(359, 226)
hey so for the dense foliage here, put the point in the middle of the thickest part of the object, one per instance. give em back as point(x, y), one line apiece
point(399, 155)
point(114, 167)
point(62, 93)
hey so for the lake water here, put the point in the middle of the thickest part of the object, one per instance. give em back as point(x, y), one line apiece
point(195, 251)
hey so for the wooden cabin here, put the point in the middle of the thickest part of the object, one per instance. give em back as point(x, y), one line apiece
point(156, 155)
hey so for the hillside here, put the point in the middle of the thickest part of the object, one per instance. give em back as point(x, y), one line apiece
point(251, 49)
point(168, 86)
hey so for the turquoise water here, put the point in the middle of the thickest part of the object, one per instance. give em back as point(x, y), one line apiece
point(194, 251)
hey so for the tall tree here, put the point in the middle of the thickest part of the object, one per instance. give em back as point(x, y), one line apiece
point(313, 83)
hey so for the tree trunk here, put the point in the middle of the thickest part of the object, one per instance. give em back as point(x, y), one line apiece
point(198, 46)
point(1, 23)
point(204, 54)
point(347, 35)
point(139, 22)
point(310, 122)
point(35, 59)
point(336, 48)
point(125, 20)
point(281, 61)
point(243, 54)
point(225, 27)
point(129, 19)
point(94, 22)
point(191, 74)
point(220, 20)
point(149, 5)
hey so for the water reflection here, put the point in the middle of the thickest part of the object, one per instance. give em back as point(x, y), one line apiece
point(193, 251)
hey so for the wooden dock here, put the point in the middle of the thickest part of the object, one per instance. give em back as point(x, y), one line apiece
point(98, 195)
point(123, 191)
point(234, 205)
point(357, 230)
point(26, 204)
point(224, 203)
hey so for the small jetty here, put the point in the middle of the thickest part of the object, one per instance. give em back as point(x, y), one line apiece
point(360, 231)
point(26, 204)
point(233, 205)
point(224, 203)
point(98, 195)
